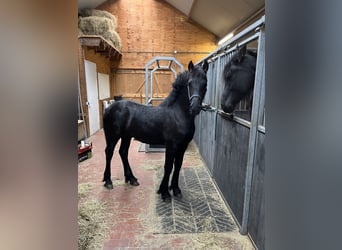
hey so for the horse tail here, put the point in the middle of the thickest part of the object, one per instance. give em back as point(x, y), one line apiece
point(109, 127)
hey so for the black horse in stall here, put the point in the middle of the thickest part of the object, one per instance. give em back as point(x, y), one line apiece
point(238, 75)
point(171, 123)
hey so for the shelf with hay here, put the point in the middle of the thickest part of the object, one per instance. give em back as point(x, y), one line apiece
point(97, 30)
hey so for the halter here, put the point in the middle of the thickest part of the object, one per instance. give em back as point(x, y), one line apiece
point(191, 96)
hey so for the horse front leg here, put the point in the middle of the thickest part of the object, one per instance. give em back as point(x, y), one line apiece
point(178, 164)
point(163, 188)
point(123, 151)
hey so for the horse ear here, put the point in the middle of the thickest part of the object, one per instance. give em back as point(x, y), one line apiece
point(190, 66)
point(241, 53)
point(205, 66)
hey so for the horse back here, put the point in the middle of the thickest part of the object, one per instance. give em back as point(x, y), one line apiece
point(148, 124)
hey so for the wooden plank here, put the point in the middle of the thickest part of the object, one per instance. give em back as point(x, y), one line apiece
point(142, 84)
point(156, 84)
point(90, 41)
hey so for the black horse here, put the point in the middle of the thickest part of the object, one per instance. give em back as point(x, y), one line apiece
point(171, 123)
point(238, 75)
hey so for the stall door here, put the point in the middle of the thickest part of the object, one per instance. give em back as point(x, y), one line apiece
point(92, 96)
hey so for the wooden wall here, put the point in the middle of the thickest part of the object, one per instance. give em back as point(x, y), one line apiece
point(150, 28)
point(147, 28)
point(102, 66)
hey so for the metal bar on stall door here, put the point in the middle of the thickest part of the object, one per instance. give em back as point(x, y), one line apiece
point(259, 81)
point(249, 29)
point(262, 102)
point(217, 80)
point(151, 83)
point(146, 84)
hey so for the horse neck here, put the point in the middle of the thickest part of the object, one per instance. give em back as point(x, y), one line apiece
point(182, 100)
point(178, 96)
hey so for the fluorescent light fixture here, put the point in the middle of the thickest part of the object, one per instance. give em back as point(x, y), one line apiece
point(226, 38)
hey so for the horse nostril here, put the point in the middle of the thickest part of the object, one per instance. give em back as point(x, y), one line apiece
point(195, 109)
point(227, 109)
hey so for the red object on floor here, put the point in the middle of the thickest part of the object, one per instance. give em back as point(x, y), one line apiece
point(84, 152)
point(87, 147)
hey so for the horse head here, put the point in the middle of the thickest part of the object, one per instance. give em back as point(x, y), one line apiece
point(238, 77)
point(196, 86)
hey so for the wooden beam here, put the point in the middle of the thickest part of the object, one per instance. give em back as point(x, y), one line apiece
point(100, 45)
point(191, 9)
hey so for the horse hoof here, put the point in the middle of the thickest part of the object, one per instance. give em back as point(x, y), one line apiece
point(134, 183)
point(166, 196)
point(177, 194)
point(176, 191)
point(108, 185)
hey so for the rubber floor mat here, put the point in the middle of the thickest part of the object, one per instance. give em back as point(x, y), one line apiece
point(199, 210)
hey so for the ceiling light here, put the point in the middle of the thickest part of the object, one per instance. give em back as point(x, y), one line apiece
point(225, 39)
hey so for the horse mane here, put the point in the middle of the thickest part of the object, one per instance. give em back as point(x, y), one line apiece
point(177, 86)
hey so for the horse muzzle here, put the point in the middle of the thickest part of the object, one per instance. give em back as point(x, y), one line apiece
point(227, 108)
point(195, 105)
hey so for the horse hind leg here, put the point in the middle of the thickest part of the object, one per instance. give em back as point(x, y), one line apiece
point(123, 151)
point(109, 155)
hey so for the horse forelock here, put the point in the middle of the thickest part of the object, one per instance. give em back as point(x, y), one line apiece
point(249, 52)
point(199, 71)
point(250, 56)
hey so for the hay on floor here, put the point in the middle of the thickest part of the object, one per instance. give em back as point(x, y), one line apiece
point(92, 219)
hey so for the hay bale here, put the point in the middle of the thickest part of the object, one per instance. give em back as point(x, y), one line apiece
point(94, 25)
point(98, 13)
point(114, 38)
point(80, 32)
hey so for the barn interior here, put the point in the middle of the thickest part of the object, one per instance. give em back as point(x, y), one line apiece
point(116, 52)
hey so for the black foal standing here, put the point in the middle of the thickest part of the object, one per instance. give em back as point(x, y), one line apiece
point(171, 123)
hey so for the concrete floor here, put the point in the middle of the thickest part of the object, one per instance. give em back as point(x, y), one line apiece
point(139, 219)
